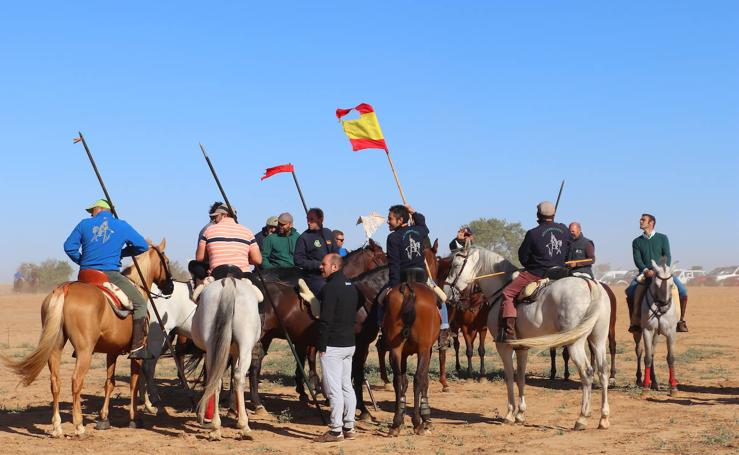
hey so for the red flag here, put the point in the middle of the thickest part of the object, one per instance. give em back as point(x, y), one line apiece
point(277, 169)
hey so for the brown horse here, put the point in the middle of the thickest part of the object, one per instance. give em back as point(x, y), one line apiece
point(611, 345)
point(299, 323)
point(79, 312)
point(411, 326)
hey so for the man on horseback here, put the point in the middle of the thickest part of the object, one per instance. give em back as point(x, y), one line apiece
point(279, 248)
point(544, 247)
point(229, 246)
point(270, 227)
point(463, 235)
point(199, 269)
point(104, 240)
point(405, 245)
point(313, 244)
point(581, 256)
point(650, 246)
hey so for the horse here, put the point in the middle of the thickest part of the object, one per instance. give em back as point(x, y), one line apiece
point(659, 316)
point(469, 315)
point(570, 311)
point(226, 324)
point(176, 311)
point(297, 320)
point(80, 313)
point(411, 326)
point(611, 345)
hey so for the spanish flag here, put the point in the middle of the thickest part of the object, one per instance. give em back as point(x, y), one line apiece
point(364, 132)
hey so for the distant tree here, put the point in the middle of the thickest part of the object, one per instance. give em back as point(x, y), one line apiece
point(44, 276)
point(696, 267)
point(179, 272)
point(499, 235)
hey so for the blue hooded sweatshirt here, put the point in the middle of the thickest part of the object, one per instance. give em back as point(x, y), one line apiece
point(102, 239)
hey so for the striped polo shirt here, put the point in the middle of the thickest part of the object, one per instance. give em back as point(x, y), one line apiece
point(227, 243)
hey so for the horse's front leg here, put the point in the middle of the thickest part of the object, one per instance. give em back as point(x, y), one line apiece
point(566, 358)
point(612, 351)
point(313, 379)
point(522, 356)
point(506, 356)
point(457, 366)
point(481, 351)
point(442, 370)
point(358, 378)
point(381, 351)
point(399, 386)
point(469, 343)
point(255, 370)
point(671, 362)
point(103, 423)
point(553, 363)
point(134, 419)
point(299, 371)
point(639, 352)
point(148, 388)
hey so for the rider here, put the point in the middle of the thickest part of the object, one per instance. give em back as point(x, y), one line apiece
point(270, 227)
point(463, 235)
point(647, 247)
point(279, 248)
point(313, 244)
point(104, 239)
point(405, 245)
point(581, 249)
point(543, 247)
point(339, 238)
point(229, 246)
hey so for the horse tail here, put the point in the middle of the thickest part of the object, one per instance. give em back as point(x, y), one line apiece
point(556, 340)
point(220, 348)
point(408, 309)
point(52, 337)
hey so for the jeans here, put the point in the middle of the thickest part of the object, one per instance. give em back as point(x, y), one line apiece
point(336, 369)
point(681, 289)
point(139, 304)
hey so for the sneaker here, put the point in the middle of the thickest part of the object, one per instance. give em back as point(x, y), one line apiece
point(349, 433)
point(329, 437)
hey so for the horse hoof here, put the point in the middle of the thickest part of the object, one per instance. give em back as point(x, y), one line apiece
point(419, 430)
point(102, 425)
point(153, 410)
point(231, 414)
point(215, 435)
point(393, 432)
point(136, 423)
point(611, 382)
point(303, 398)
point(674, 392)
point(364, 416)
point(246, 435)
point(520, 418)
point(261, 411)
point(579, 426)
point(604, 424)
point(656, 387)
point(56, 432)
point(509, 419)
point(445, 388)
point(79, 432)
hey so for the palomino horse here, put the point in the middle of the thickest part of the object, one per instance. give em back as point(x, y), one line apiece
point(298, 322)
point(80, 312)
point(611, 345)
point(411, 326)
point(226, 324)
point(570, 311)
point(659, 316)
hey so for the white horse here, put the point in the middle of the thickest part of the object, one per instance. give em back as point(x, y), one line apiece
point(659, 316)
point(571, 311)
point(176, 311)
point(226, 323)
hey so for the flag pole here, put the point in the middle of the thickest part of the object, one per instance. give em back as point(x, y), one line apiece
point(559, 195)
point(271, 302)
point(300, 192)
point(180, 371)
point(395, 174)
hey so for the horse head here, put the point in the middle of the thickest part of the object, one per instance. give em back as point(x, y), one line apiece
point(158, 267)
point(432, 260)
point(461, 272)
point(662, 282)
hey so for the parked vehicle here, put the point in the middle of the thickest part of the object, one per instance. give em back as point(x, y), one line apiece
point(690, 276)
point(720, 275)
point(622, 277)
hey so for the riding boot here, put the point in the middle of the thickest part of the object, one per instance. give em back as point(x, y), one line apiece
point(681, 325)
point(138, 340)
point(507, 330)
point(444, 341)
point(635, 326)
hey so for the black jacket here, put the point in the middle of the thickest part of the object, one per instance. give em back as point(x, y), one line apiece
point(311, 247)
point(339, 305)
point(582, 248)
point(544, 247)
point(405, 248)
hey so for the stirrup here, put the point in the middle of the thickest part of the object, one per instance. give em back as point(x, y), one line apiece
point(140, 353)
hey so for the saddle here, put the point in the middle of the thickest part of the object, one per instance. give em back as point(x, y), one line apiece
point(532, 290)
point(308, 299)
point(116, 298)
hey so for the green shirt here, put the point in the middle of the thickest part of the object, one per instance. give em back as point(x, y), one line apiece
point(278, 250)
point(647, 249)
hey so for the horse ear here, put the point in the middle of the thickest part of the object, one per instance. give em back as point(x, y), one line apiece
point(654, 264)
point(467, 246)
point(162, 244)
point(663, 261)
point(435, 247)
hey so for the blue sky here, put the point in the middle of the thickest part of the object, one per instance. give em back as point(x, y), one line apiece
point(486, 107)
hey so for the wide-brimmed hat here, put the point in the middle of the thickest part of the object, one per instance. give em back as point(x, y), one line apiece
point(102, 203)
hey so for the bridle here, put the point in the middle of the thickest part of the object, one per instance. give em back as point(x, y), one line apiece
point(168, 286)
point(663, 303)
point(453, 284)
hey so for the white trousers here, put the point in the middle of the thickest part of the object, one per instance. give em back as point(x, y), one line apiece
point(336, 369)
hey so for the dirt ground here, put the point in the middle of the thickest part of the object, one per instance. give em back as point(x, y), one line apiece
point(703, 418)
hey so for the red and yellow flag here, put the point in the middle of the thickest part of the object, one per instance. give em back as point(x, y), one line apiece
point(277, 169)
point(364, 132)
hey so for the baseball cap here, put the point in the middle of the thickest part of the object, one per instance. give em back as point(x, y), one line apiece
point(271, 221)
point(102, 203)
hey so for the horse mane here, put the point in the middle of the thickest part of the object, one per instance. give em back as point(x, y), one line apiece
point(144, 260)
point(492, 261)
point(370, 272)
point(355, 252)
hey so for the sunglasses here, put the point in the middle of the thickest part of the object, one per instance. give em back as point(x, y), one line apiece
point(339, 240)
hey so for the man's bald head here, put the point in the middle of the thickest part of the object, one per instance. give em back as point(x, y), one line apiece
point(575, 229)
point(331, 264)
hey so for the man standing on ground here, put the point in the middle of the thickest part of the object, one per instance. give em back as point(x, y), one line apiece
point(279, 248)
point(582, 250)
point(650, 246)
point(340, 301)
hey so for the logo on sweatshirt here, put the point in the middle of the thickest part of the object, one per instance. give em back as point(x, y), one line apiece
point(317, 243)
point(102, 232)
point(413, 249)
point(554, 246)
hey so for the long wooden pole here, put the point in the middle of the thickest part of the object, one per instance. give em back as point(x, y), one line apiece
point(559, 195)
point(395, 174)
point(300, 192)
point(271, 302)
point(180, 371)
